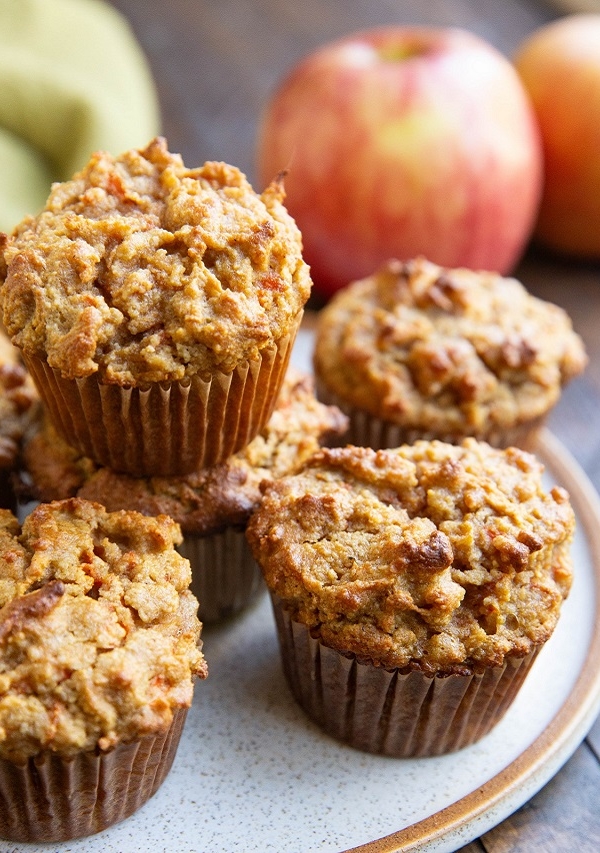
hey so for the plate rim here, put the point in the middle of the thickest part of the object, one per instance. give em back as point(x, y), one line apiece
point(507, 790)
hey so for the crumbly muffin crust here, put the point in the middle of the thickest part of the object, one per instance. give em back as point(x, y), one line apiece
point(206, 501)
point(142, 270)
point(448, 352)
point(433, 557)
point(19, 403)
point(99, 638)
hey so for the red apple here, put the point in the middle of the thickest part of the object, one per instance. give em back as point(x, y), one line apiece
point(400, 142)
point(560, 67)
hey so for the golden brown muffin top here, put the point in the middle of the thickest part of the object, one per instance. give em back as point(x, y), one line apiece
point(142, 270)
point(206, 501)
point(435, 557)
point(445, 351)
point(99, 638)
point(19, 403)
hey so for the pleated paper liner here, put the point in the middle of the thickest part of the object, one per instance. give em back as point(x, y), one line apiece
point(165, 429)
point(392, 712)
point(225, 576)
point(366, 430)
point(52, 799)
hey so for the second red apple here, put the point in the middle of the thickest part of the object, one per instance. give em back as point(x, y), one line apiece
point(404, 141)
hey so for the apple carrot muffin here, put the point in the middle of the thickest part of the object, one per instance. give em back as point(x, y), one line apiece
point(156, 307)
point(413, 587)
point(19, 407)
point(212, 505)
point(99, 646)
point(417, 351)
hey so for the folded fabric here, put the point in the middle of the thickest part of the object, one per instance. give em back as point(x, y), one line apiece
point(73, 80)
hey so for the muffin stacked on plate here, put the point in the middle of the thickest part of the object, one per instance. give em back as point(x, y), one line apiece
point(211, 505)
point(155, 307)
point(413, 587)
point(99, 646)
point(418, 351)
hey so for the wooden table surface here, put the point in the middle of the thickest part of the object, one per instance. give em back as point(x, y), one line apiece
point(215, 62)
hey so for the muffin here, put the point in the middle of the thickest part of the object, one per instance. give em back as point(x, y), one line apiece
point(413, 588)
point(19, 408)
point(99, 646)
point(212, 505)
point(156, 307)
point(417, 351)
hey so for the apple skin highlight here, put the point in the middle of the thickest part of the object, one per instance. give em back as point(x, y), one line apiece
point(402, 142)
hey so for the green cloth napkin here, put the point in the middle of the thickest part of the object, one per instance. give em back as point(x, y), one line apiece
point(73, 80)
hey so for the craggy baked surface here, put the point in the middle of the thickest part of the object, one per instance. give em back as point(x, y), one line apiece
point(209, 500)
point(142, 270)
point(436, 557)
point(445, 351)
point(99, 637)
point(19, 403)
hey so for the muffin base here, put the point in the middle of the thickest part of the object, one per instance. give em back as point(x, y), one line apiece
point(225, 575)
point(50, 798)
point(165, 429)
point(393, 712)
point(366, 430)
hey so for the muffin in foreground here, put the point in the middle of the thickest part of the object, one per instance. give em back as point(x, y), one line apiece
point(19, 409)
point(418, 351)
point(413, 588)
point(212, 506)
point(99, 646)
point(156, 307)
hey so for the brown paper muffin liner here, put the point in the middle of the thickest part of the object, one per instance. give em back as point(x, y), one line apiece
point(165, 429)
point(366, 430)
point(51, 798)
point(393, 712)
point(225, 575)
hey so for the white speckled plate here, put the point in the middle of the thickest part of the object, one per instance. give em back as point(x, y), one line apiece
point(253, 774)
